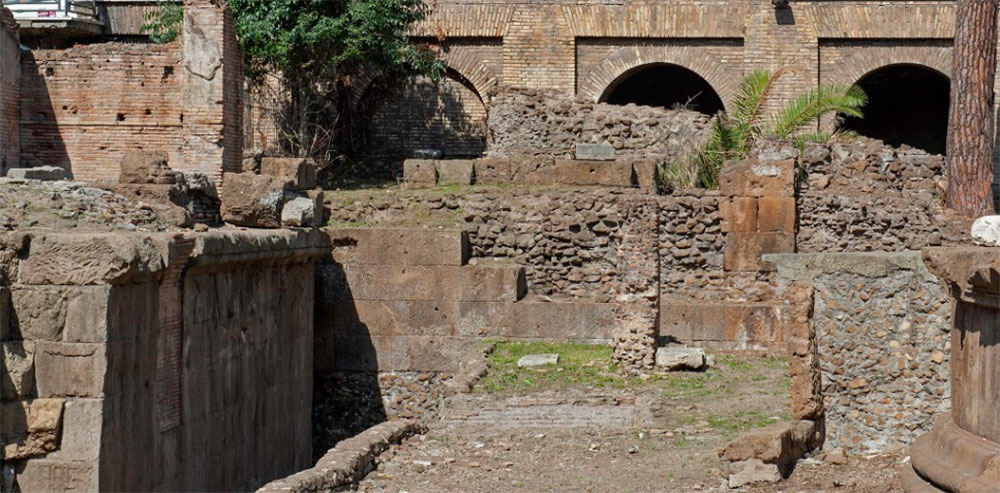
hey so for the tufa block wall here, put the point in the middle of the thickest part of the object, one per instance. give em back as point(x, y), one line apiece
point(159, 389)
point(10, 97)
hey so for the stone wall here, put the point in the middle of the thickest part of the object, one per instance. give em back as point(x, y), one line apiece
point(10, 74)
point(882, 326)
point(84, 107)
point(861, 195)
point(170, 361)
point(549, 123)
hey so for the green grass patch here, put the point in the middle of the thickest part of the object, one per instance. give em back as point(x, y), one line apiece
point(742, 420)
point(580, 365)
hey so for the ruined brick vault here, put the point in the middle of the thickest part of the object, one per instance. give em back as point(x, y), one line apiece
point(671, 52)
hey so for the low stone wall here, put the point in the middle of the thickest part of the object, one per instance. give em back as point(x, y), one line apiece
point(164, 361)
point(881, 323)
point(524, 122)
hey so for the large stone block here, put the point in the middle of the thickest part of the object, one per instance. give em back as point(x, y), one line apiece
point(756, 323)
point(293, 173)
point(741, 214)
point(776, 214)
point(30, 428)
point(605, 173)
point(595, 152)
point(689, 321)
point(752, 178)
point(303, 211)
point(252, 200)
point(78, 258)
point(645, 173)
point(67, 313)
point(420, 172)
point(43, 173)
point(146, 167)
point(455, 172)
point(18, 369)
point(535, 319)
point(399, 246)
point(743, 250)
point(781, 444)
point(45, 474)
point(492, 171)
point(82, 430)
point(70, 369)
point(394, 353)
point(424, 283)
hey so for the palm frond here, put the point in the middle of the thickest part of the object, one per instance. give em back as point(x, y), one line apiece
point(816, 103)
point(749, 102)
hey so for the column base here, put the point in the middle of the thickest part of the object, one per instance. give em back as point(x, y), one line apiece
point(949, 458)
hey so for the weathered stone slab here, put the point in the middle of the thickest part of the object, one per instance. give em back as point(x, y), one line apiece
point(399, 246)
point(455, 172)
point(77, 258)
point(752, 471)
point(30, 428)
point(595, 152)
point(420, 172)
point(736, 325)
point(252, 200)
point(82, 430)
point(70, 369)
point(425, 283)
point(541, 359)
point(681, 358)
point(605, 173)
point(44, 173)
point(44, 474)
point(392, 353)
point(293, 173)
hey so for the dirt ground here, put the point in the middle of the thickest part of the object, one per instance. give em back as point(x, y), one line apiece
point(671, 445)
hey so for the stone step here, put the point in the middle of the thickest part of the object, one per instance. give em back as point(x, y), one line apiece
point(399, 246)
point(489, 283)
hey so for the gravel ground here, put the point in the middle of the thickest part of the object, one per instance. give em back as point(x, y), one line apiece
point(673, 445)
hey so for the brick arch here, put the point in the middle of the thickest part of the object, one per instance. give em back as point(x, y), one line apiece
point(854, 67)
point(594, 82)
point(466, 66)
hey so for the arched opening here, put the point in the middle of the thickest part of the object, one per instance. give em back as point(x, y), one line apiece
point(664, 85)
point(447, 115)
point(907, 104)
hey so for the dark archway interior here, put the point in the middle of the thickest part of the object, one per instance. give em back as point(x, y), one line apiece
point(907, 104)
point(667, 86)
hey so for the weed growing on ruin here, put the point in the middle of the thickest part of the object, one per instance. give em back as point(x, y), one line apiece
point(732, 135)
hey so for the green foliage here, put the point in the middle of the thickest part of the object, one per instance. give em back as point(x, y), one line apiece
point(309, 40)
point(163, 23)
point(732, 135)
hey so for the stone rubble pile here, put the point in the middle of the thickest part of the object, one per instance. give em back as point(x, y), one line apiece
point(273, 192)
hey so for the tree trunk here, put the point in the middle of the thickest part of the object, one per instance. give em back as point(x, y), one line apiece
point(970, 119)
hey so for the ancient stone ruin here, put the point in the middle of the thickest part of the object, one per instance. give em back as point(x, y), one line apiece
point(519, 302)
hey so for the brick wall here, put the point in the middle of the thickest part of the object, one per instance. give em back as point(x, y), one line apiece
point(84, 107)
point(10, 72)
